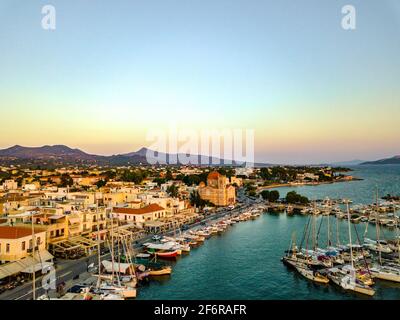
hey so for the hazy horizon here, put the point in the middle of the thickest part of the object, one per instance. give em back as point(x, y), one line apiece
point(257, 160)
point(111, 70)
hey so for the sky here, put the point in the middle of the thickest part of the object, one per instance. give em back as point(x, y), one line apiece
point(113, 70)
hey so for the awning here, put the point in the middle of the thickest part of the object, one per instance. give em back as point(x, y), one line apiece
point(15, 267)
point(39, 266)
point(56, 216)
point(74, 220)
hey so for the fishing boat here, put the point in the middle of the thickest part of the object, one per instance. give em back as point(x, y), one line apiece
point(163, 271)
point(164, 250)
point(166, 254)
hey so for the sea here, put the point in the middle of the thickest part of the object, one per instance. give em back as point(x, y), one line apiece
point(245, 261)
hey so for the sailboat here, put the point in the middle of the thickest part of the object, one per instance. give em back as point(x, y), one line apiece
point(349, 281)
point(111, 287)
point(311, 274)
point(380, 270)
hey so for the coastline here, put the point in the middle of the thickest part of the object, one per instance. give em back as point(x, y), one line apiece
point(301, 184)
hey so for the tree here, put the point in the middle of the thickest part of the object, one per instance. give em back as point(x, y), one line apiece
point(265, 194)
point(159, 181)
point(196, 200)
point(173, 191)
point(264, 174)
point(271, 196)
point(101, 183)
point(66, 180)
point(294, 197)
point(274, 195)
point(168, 175)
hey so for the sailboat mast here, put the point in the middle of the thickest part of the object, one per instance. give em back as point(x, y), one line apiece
point(377, 228)
point(314, 227)
point(33, 256)
point(348, 223)
point(112, 247)
point(337, 232)
point(98, 242)
point(329, 230)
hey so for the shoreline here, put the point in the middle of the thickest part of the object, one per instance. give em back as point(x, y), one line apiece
point(301, 184)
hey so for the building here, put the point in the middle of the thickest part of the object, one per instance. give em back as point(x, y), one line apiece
point(237, 181)
point(218, 191)
point(139, 216)
point(16, 242)
point(10, 185)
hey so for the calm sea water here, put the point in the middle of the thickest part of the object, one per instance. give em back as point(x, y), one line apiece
point(244, 262)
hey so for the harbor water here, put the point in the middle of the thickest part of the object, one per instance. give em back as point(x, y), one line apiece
point(244, 262)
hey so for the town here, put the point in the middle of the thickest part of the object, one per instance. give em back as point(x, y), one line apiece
point(62, 217)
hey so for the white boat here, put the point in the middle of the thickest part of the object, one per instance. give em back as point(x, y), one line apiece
point(378, 246)
point(386, 273)
point(349, 282)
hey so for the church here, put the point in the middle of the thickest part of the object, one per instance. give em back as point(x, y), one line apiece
point(218, 190)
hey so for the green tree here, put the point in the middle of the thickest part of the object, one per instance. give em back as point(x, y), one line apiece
point(101, 183)
point(294, 197)
point(66, 180)
point(173, 191)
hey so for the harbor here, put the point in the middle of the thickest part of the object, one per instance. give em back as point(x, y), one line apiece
point(331, 247)
point(163, 262)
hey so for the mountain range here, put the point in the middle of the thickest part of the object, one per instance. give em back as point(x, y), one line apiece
point(392, 160)
point(62, 155)
point(59, 155)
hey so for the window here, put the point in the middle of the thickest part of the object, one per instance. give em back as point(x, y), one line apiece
point(38, 241)
point(30, 244)
point(23, 246)
point(7, 248)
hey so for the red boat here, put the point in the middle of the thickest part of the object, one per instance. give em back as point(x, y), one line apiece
point(166, 254)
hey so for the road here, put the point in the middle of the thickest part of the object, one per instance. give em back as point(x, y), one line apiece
point(69, 270)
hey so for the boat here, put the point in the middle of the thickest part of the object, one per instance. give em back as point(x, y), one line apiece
point(166, 254)
point(163, 250)
point(387, 273)
point(349, 282)
point(166, 270)
point(310, 274)
point(378, 246)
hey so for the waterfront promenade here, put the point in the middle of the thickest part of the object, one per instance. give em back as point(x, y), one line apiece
point(72, 272)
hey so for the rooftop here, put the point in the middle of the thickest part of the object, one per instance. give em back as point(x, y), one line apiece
point(148, 209)
point(16, 232)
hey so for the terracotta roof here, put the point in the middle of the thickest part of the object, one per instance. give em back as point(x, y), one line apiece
point(148, 209)
point(213, 175)
point(8, 232)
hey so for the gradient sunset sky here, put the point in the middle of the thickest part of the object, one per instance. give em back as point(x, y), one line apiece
point(312, 91)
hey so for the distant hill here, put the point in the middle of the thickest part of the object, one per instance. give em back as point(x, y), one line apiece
point(44, 152)
point(347, 163)
point(392, 160)
point(62, 155)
